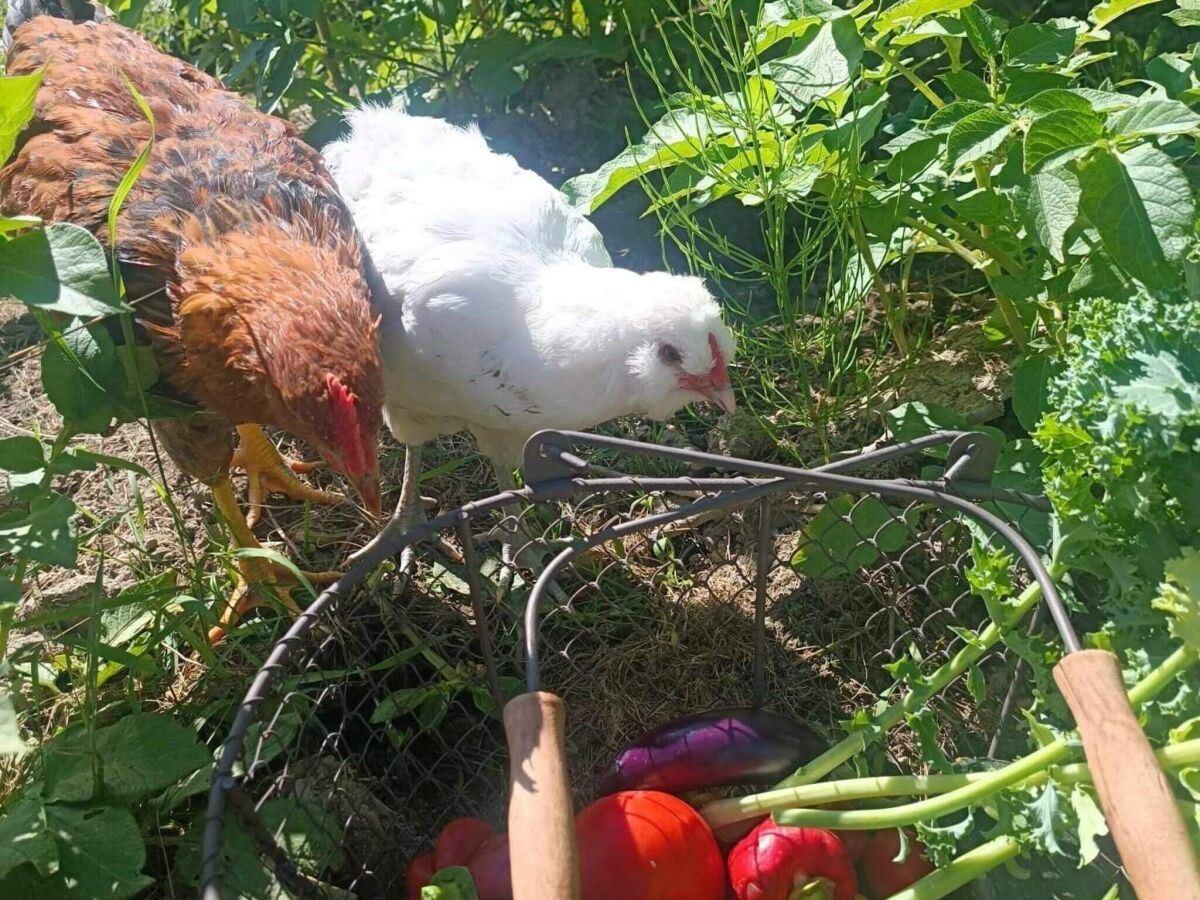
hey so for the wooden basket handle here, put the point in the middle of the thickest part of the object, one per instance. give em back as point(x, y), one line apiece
point(1145, 822)
point(541, 821)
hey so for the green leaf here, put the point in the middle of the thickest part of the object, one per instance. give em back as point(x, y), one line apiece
point(944, 119)
point(135, 170)
point(17, 96)
point(784, 19)
point(977, 685)
point(1038, 43)
point(307, 832)
point(1056, 100)
point(914, 420)
point(1046, 813)
point(444, 12)
point(850, 533)
point(101, 850)
point(145, 753)
point(1153, 117)
point(1179, 596)
point(399, 702)
point(69, 767)
point(496, 57)
point(1098, 277)
point(1022, 84)
point(680, 134)
point(1141, 205)
point(907, 13)
point(81, 375)
point(1090, 825)
point(1059, 132)
point(985, 31)
point(18, 223)
point(853, 130)
point(81, 459)
point(1049, 201)
point(1110, 10)
point(43, 532)
point(25, 837)
point(967, 86)
point(21, 454)
point(1187, 14)
point(824, 61)
point(978, 134)
point(61, 268)
point(1030, 393)
point(11, 742)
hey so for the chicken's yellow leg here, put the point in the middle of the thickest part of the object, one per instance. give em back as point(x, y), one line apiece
point(269, 472)
point(254, 572)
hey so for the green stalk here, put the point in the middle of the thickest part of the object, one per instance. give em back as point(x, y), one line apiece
point(1174, 756)
point(976, 790)
point(933, 807)
point(913, 78)
point(963, 870)
point(725, 812)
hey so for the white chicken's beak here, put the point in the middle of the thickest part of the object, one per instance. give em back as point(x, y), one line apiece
point(722, 398)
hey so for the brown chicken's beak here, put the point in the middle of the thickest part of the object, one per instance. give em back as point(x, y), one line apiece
point(368, 488)
point(722, 398)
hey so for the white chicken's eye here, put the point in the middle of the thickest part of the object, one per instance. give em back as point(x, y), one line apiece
point(670, 354)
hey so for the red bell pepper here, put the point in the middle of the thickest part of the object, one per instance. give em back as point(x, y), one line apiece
point(855, 842)
point(491, 869)
point(472, 844)
point(884, 876)
point(420, 872)
point(458, 842)
point(773, 861)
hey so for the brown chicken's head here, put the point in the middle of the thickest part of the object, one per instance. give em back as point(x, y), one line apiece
point(347, 436)
point(334, 402)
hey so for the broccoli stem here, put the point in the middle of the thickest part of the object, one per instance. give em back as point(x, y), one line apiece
point(727, 812)
point(1175, 756)
point(969, 791)
point(962, 870)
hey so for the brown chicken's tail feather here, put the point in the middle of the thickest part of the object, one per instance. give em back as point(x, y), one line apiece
point(21, 11)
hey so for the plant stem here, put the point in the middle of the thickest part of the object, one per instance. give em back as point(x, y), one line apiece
point(1013, 320)
point(913, 78)
point(1174, 756)
point(331, 64)
point(962, 870)
point(932, 807)
point(977, 789)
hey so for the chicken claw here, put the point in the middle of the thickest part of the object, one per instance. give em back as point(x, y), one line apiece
point(258, 578)
point(271, 473)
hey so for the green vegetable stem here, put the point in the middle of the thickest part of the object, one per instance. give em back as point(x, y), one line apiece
point(727, 812)
point(960, 790)
point(963, 870)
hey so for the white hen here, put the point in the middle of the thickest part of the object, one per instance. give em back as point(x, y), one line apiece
point(506, 315)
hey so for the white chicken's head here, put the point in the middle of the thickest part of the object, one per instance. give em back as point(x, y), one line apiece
point(687, 349)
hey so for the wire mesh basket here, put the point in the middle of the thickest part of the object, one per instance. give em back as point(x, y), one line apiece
point(679, 582)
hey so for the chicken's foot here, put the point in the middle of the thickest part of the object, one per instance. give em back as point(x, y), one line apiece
point(271, 473)
point(256, 576)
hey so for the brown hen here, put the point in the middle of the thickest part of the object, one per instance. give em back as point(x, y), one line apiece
point(243, 264)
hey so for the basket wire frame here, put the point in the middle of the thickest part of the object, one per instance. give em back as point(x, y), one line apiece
point(375, 719)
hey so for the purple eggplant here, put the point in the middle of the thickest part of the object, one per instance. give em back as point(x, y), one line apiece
point(712, 749)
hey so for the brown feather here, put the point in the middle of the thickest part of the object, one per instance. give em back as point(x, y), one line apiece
point(234, 231)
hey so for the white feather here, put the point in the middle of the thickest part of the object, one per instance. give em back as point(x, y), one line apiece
point(505, 315)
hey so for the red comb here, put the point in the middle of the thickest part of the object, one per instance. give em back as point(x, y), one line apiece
point(718, 373)
point(345, 424)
